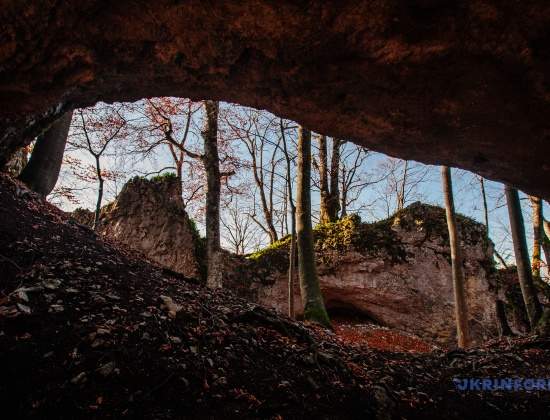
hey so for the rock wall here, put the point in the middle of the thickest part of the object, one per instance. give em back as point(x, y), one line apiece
point(448, 82)
point(148, 216)
point(396, 272)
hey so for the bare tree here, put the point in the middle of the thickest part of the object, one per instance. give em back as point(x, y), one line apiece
point(312, 298)
point(402, 188)
point(334, 196)
point(403, 180)
point(292, 252)
point(546, 241)
point(241, 231)
point(355, 178)
point(170, 124)
point(461, 309)
point(538, 233)
point(94, 130)
point(329, 189)
point(255, 130)
point(486, 218)
point(528, 289)
point(211, 163)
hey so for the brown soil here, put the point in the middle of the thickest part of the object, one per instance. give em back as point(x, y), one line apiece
point(85, 333)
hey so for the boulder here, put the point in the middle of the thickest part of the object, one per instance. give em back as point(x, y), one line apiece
point(149, 216)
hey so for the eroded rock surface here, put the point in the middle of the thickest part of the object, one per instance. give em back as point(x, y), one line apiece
point(148, 216)
point(465, 83)
point(396, 272)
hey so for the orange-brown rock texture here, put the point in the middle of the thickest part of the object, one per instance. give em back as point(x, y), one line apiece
point(149, 216)
point(463, 83)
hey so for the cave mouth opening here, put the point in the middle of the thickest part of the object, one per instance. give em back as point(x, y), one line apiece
point(346, 313)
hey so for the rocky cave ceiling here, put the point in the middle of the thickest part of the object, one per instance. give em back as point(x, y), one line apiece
point(463, 83)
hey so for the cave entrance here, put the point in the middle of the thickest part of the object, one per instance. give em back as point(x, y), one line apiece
point(345, 313)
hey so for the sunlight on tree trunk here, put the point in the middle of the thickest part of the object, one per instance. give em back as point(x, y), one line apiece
point(538, 232)
point(485, 206)
point(212, 169)
point(312, 298)
point(461, 308)
point(292, 252)
point(324, 211)
point(546, 242)
point(291, 268)
point(42, 171)
point(528, 289)
point(329, 187)
point(402, 191)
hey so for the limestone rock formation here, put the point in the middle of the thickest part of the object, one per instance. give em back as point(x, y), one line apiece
point(396, 272)
point(461, 83)
point(148, 216)
point(509, 292)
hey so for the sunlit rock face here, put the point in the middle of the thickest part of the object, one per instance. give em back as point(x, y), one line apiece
point(148, 216)
point(465, 83)
point(396, 272)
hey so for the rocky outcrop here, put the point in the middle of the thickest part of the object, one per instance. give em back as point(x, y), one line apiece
point(148, 216)
point(464, 83)
point(396, 272)
point(509, 292)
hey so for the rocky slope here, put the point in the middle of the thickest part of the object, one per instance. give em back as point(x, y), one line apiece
point(453, 82)
point(148, 216)
point(396, 272)
point(90, 331)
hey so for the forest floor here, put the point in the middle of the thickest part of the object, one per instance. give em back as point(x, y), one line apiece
point(88, 330)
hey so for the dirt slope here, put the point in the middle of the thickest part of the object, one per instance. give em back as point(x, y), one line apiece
point(90, 331)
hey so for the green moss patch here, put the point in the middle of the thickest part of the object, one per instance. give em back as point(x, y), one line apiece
point(372, 239)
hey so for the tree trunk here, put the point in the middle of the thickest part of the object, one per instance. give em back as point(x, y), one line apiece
point(528, 289)
point(179, 175)
point(211, 163)
point(292, 252)
point(461, 309)
point(257, 172)
point(323, 180)
point(504, 329)
point(485, 206)
point(401, 194)
point(291, 269)
point(334, 198)
point(42, 171)
point(486, 218)
point(538, 233)
point(99, 194)
point(312, 298)
point(546, 242)
point(344, 198)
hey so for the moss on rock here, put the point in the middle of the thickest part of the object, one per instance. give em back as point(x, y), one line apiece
point(377, 239)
